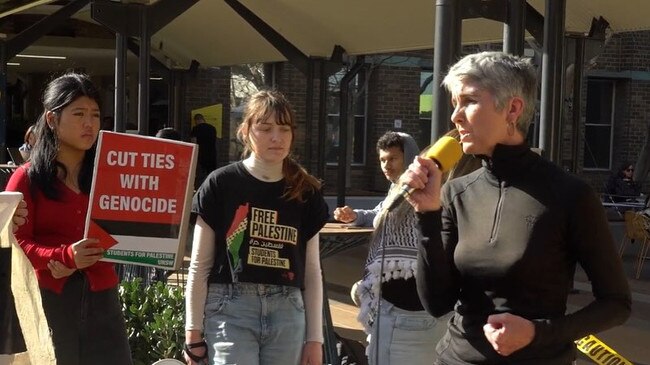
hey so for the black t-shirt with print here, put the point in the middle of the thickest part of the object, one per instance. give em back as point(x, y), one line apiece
point(260, 237)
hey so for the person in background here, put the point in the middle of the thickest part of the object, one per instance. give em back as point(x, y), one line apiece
point(28, 142)
point(621, 185)
point(392, 292)
point(205, 136)
point(79, 292)
point(168, 133)
point(499, 246)
point(254, 291)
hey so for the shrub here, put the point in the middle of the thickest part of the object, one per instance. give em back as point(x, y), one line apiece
point(155, 320)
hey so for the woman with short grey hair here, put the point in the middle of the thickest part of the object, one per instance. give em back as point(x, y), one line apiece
point(500, 245)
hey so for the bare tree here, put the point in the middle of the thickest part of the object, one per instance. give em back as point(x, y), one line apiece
point(246, 80)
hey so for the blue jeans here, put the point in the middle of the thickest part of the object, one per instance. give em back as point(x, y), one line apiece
point(254, 324)
point(404, 337)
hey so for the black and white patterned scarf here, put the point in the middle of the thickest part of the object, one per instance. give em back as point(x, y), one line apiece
point(395, 240)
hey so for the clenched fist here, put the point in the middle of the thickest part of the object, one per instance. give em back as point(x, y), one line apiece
point(508, 333)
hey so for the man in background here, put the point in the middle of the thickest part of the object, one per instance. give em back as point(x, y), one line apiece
point(205, 136)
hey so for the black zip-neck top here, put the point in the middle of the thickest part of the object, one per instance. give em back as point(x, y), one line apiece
point(507, 239)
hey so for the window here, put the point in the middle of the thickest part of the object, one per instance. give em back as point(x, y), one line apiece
point(357, 110)
point(599, 124)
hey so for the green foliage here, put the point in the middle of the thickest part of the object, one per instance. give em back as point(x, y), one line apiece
point(155, 320)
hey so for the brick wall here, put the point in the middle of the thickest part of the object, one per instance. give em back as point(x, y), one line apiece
point(394, 94)
point(635, 51)
point(627, 53)
point(291, 82)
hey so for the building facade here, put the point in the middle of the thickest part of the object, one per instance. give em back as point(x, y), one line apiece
point(392, 93)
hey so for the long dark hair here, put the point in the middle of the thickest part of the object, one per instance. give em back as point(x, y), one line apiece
point(259, 108)
point(623, 166)
point(44, 169)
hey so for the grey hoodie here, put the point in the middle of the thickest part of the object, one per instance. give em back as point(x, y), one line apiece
point(365, 217)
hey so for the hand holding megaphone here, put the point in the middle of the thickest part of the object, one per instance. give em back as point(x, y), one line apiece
point(421, 181)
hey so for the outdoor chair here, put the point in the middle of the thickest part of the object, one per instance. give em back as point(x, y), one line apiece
point(636, 229)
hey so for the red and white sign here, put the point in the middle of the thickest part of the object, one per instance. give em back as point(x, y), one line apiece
point(140, 198)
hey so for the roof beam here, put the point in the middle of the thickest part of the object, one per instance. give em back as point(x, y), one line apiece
point(27, 37)
point(126, 18)
point(141, 21)
point(18, 43)
point(163, 12)
point(497, 10)
point(288, 50)
point(490, 9)
point(132, 46)
point(7, 9)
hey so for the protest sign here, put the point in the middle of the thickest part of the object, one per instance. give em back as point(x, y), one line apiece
point(140, 198)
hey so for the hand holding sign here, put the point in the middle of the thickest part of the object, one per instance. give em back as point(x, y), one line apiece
point(86, 252)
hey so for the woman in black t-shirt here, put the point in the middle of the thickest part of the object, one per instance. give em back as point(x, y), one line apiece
point(255, 251)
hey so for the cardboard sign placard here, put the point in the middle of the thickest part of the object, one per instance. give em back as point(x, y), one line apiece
point(140, 198)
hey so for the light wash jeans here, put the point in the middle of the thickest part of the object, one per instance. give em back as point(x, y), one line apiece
point(254, 324)
point(405, 337)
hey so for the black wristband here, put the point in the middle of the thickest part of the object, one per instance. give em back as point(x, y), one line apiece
point(196, 358)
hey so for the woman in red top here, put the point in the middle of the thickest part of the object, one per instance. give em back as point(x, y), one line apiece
point(79, 292)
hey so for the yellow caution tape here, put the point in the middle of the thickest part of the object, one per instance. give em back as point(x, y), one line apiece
point(600, 353)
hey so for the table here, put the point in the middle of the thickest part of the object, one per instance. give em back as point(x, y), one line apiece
point(630, 205)
point(335, 238)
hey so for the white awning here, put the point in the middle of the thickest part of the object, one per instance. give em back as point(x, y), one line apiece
point(213, 34)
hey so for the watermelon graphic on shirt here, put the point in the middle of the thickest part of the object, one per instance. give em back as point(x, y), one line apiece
point(235, 237)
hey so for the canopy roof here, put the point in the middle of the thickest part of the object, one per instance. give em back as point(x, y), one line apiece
point(213, 34)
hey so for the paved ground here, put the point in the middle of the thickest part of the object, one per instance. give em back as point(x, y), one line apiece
point(632, 340)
